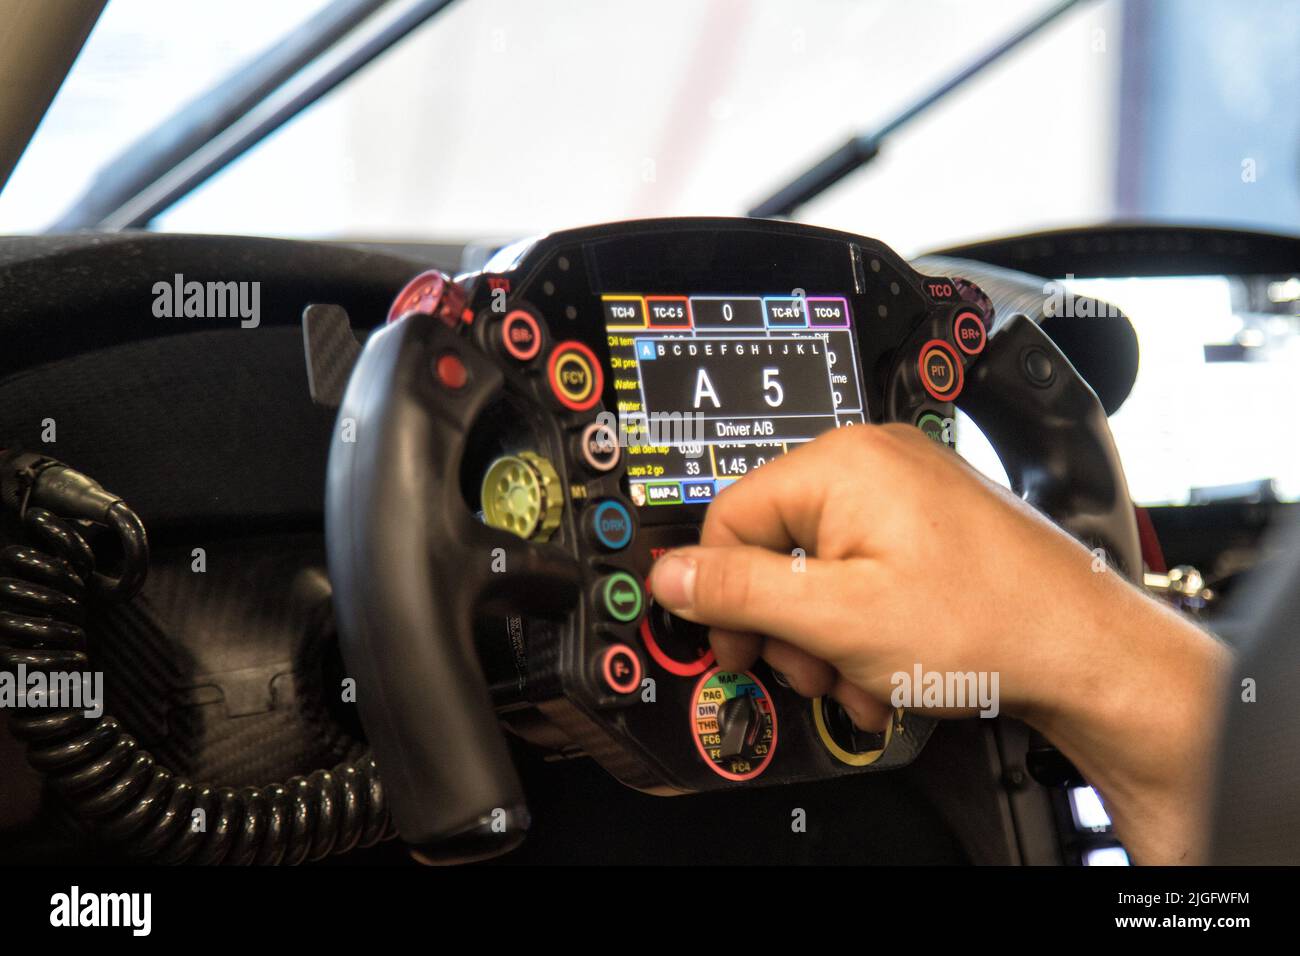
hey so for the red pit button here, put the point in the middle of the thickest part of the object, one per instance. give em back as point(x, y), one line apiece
point(621, 669)
point(940, 369)
point(521, 336)
point(968, 332)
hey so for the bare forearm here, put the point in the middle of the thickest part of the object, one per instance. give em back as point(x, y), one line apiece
point(1143, 733)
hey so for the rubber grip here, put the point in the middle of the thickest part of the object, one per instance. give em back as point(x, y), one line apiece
point(1050, 432)
point(405, 596)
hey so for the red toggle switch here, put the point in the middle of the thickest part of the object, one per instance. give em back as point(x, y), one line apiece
point(430, 293)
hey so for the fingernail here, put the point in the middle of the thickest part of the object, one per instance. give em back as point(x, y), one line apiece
point(673, 582)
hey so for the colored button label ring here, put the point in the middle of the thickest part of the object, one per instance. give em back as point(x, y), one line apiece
point(599, 447)
point(621, 595)
point(933, 428)
point(575, 375)
point(940, 369)
point(611, 525)
point(521, 336)
point(968, 332)
point(621, 669)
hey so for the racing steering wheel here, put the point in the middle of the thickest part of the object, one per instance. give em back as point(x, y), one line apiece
point(514, 449)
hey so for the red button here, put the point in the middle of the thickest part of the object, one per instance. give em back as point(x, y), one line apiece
point(940, 369)
point(656, 615)
point(621, 669)
point(968, 332)
point(451, 371)
point(576, 378)
point(521, 336)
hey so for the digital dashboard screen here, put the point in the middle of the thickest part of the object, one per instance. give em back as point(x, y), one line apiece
point(710, 387)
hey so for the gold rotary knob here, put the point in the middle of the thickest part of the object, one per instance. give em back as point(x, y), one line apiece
point(521, 494)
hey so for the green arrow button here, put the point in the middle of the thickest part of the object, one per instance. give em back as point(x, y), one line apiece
point(622, 596)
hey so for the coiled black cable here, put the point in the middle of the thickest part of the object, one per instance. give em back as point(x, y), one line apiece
point(106, 778)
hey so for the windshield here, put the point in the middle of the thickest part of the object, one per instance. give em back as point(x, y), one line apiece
point(501, 118)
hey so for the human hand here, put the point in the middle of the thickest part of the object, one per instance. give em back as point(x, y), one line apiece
point(912, 558)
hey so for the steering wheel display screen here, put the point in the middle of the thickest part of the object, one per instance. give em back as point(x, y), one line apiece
point(710, 387)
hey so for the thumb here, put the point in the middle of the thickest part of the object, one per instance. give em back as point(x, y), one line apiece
point(744, 588)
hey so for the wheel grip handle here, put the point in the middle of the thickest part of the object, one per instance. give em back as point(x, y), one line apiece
point(405, 604)
point(1051, 434)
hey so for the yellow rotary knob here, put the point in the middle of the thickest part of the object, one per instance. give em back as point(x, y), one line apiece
point(521, 494)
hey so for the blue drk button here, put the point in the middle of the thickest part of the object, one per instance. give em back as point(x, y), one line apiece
point(610, 525)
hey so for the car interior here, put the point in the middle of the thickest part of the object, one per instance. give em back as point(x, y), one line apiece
point(354, 523)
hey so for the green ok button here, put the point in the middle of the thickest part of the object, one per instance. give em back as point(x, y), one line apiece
point(622, 596)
